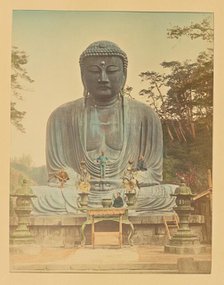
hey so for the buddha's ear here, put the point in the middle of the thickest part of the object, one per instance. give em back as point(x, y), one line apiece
point(83, 77)
point(81, 71)
point(124, 79)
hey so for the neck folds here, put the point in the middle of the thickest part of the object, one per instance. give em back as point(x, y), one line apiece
point(103, 102)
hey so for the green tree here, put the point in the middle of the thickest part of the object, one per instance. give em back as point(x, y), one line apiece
point(22, 167)
point(201, 30)
point(183, 98)
point(18, 77)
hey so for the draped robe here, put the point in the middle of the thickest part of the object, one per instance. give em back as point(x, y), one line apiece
point(67, 134)
point(75, 133)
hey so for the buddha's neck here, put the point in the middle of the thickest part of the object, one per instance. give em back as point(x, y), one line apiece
point(103, 103)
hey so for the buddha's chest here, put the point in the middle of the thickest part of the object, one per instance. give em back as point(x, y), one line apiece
point(104, 130)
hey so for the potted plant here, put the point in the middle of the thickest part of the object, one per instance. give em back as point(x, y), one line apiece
point(130, 184)
point(84, 187)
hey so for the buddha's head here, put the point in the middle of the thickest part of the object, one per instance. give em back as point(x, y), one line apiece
point(104, 70)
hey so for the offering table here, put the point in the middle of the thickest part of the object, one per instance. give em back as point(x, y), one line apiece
point(119, 215)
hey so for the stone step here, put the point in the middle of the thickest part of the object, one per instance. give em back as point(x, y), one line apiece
point(134, 267)
point(184, 265)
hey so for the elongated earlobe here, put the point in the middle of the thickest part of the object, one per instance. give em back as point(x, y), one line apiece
point(124, 80)
point(85, 91)
point(86, 96)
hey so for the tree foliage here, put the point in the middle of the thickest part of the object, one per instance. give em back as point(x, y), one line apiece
point(183, 99)
point(23, 168)
point(18, 77)
point(201, 30)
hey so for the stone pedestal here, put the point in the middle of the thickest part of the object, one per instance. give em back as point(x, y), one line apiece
point(184, 241)
point(65, 230)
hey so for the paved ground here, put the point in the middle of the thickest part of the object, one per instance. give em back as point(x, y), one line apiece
point(151, 259)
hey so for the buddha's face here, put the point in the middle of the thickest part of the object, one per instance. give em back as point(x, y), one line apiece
point(103, 76)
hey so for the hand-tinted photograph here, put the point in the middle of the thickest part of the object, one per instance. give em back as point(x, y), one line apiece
point(111, 142)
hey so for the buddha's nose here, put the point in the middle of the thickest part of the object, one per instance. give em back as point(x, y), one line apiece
point(103, 77)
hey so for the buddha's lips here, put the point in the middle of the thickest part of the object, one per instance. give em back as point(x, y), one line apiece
point(104, 87)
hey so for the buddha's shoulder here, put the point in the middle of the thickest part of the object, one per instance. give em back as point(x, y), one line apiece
point(69, 106)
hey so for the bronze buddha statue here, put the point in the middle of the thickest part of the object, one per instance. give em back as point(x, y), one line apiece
point(103, 121)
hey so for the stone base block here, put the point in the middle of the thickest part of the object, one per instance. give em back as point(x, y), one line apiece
point(189, 265)
point(191, 249)
point(28, 249)
point(21, 240)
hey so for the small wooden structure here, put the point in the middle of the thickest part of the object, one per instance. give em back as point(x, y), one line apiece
point(171, 223)
point(96, 215)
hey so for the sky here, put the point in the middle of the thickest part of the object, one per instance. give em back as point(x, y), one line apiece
point(54, 40)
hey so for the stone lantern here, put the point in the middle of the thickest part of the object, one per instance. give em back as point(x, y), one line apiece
point(184, 241)
point(23, 209)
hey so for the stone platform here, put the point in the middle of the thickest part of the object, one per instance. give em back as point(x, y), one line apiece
point(135, 259)
point(65, 230)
